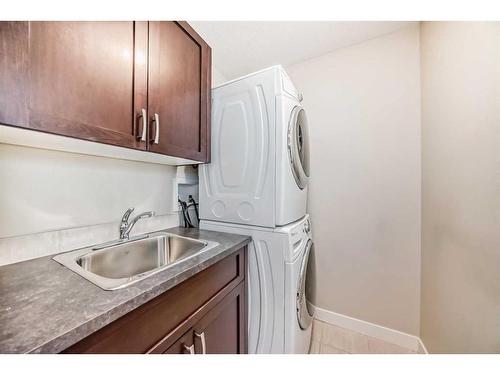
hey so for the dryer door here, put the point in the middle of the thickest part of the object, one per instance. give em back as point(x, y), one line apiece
point(298, 146)
point(304, 317)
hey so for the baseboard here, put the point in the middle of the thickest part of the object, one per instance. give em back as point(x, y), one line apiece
point(383, 333)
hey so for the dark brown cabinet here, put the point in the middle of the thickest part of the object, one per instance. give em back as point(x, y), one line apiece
point(71, 78)
point(14, 96)
point(204, 314)
point(220, 331)
point(179, 80)
point(141, 85)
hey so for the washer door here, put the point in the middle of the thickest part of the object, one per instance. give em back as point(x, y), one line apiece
point(304, 317)
point(298, 146)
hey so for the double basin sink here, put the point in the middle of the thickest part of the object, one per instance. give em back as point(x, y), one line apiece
point(120, 263)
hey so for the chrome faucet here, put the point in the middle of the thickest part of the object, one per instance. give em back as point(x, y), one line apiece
point(126, 226)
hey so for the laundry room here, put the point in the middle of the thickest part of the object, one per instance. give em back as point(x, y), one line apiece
point(202, 185)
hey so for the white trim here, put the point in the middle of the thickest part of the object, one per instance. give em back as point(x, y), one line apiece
point(370, 329)
point(47, 141)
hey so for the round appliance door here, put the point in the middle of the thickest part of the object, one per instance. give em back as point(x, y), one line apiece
point(304, 316)
point(298, 146)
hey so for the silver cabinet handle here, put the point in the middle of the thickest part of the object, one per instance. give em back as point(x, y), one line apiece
point(189, 349)
point(142, 137)
point(201, 336)
point(156, 120)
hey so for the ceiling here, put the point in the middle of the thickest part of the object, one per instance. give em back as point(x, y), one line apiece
point(241, 47)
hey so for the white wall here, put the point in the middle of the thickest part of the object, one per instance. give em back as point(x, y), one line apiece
point(461, 187)
point(54, 201)
point(217, 76)
point(363, 104)
point(46, 190)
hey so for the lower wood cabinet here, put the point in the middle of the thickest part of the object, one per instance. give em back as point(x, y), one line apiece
point(207, 313)
point(219, 331)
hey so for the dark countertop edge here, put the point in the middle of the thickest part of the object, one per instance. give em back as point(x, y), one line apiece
point(71, 337)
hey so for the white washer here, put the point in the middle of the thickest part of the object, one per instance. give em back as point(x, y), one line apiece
point(298, 318)
point(278, 319)
point(259, 170)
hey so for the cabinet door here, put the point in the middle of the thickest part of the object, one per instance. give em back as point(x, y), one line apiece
point(179, 91)
point(223, 329)
point(80, 77)
point(14, 47)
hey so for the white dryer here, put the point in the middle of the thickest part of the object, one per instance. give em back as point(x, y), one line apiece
point(278, 319)
point(259, 170)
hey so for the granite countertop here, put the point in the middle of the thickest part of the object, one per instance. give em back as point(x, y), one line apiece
point(46, 308)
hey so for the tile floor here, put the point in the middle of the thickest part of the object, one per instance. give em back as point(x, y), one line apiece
point(330, 339)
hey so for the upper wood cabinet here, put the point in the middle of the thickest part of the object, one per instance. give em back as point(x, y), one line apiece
point(179, 88)
point(71, 78)
point(14, 96)
point(142, 85)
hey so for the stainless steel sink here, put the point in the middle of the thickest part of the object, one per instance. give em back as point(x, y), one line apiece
point(120, 263)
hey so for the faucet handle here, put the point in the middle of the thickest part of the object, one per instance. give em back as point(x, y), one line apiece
point(126, 215)
point(144, 215)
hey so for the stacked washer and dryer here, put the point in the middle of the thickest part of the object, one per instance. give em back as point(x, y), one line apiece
point(256, 185)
